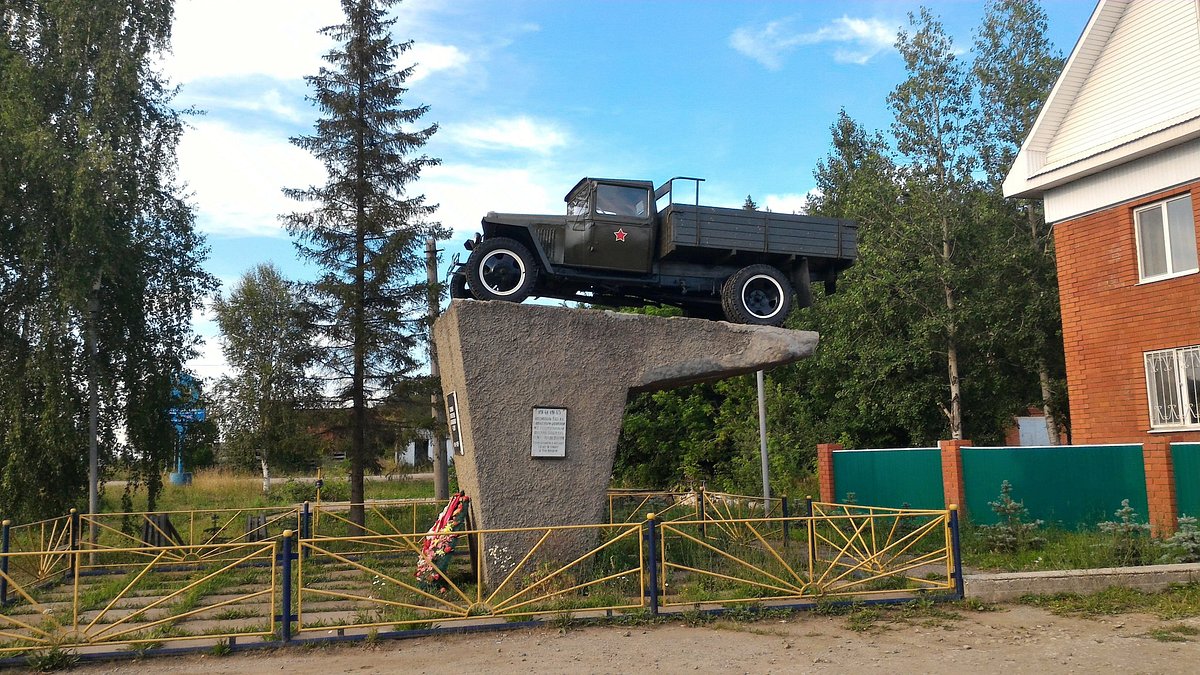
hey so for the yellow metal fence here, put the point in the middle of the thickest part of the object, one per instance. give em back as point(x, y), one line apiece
point(708, 551)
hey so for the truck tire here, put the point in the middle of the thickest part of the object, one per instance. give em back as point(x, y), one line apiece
point(757, 294)
point(501, 269)
point(458, 286)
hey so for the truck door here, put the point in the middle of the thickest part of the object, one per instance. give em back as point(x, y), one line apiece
point(621, 232)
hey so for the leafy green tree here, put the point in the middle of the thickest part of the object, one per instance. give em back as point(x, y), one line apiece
point(932, 118)
point(1016, 67)
point(365, 229)
point(95, 237)
point(268, 339)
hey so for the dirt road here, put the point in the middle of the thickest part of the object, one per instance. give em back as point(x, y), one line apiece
point(1016, 639)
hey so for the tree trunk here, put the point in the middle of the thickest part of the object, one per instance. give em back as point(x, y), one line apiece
point(1043, 370)
point(266, 474)
point(1051, 423)
point(955, 412)
point(358, 454)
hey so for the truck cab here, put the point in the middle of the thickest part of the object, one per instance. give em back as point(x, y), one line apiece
point(611, 225)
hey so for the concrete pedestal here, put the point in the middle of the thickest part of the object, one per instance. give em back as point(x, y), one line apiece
point(500, 361)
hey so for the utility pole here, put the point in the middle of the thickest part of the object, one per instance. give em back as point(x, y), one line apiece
point(93, 414)
point(441, 478)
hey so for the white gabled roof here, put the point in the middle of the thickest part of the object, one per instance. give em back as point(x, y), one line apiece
point(1131, 87)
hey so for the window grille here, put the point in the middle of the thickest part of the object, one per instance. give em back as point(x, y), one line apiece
point(1173, 387)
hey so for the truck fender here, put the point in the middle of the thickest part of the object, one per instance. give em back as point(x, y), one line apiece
point(521, 233)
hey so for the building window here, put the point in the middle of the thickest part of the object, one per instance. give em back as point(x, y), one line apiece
point(1173, 384)
point(1166, 239)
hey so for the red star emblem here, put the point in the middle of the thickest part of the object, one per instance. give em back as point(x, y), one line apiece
point(621, 234)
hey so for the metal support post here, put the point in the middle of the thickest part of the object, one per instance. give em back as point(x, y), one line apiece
point(306, 525)
point(652, 560)
point(285, 568)
point(4, 546)
point(783, 504)
point(812, 534)
point(762, 443)
point(437, 442)
point(700, 500)
point(956, 552)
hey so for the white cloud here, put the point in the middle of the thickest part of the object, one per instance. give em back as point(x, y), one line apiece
point(466, 193)
point(236, 38)
point(272, 38)
point(517, 133)
point(270, 101)
point(857, 40)
point(786, 203)
point(431, 58)
point(237, 177)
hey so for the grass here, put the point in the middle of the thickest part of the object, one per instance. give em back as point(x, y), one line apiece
point(221, 489)
point(1176, 633)
point(1176, 602)
point(1063, 550)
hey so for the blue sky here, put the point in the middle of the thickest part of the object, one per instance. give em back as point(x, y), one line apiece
point(531, 95)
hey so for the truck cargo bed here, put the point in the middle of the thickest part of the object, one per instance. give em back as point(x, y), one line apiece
point(687, 230)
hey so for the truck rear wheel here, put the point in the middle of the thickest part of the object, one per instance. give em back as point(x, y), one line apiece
point(757, 294)
point(501, 269)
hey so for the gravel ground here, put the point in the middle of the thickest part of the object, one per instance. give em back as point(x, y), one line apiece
point(1015, 639)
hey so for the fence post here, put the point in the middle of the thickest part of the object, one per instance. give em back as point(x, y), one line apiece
point(812, 536)
point(652, 560)
point(73, 536)
point(952, 472)
point(285, 564)
point(4, 542)
point(1160, 487)
point(701, 499)
point(825, 470)
point(783, 504)
point(956, 552)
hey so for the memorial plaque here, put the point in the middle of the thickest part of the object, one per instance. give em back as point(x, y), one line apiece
point(549, 432)
point(452, 419)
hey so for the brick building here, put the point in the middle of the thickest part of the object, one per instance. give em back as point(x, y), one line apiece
point(1115, 156)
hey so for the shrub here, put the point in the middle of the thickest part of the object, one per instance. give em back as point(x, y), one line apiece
point(1184, 545)
point(1128, 541)
point(293, 491)
point(1011, 534)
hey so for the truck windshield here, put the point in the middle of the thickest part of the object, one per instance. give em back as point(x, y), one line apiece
point(614, 200)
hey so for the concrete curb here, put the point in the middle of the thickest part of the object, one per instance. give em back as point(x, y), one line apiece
point(1012, 585)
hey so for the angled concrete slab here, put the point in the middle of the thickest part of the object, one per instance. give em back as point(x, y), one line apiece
point(532, 380)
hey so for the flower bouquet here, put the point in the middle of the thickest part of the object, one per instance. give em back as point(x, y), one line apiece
point(438, 545)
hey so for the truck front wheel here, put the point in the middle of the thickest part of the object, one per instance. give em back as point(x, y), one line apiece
point(758, 294)
point(501, 269)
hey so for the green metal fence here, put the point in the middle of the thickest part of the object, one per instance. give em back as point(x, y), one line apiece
point(905, 477)
point(1062, 485)
point(1185, 457)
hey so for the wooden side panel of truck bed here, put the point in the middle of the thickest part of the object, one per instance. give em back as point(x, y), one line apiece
point(691, 228)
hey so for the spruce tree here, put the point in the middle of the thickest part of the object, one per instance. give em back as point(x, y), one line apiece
point(365, 228)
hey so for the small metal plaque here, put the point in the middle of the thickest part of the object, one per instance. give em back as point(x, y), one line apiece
point(549, 432)
point(452, 419)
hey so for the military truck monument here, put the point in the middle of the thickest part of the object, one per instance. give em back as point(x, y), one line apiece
point(623, 243)
point(535, 395)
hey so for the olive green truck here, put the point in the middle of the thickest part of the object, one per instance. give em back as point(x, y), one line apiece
point(624, 243)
